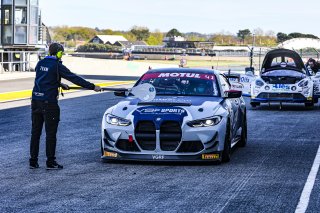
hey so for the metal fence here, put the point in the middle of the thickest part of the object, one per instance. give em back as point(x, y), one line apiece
point(191, 51)
point(200, 52)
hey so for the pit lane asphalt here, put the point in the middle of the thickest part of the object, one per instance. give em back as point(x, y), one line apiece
point(266, 176)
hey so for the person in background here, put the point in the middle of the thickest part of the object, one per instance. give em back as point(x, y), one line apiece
point(183, 62)
point(314, 66)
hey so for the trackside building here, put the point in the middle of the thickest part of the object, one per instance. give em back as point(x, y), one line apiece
point(22, 31)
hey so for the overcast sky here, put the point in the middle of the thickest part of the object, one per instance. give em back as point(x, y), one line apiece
point(204, 16)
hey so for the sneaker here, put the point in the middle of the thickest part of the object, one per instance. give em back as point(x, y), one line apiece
point(54, 166)
point(33, 165)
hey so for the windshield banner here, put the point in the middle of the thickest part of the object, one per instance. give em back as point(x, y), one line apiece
point(178, 75)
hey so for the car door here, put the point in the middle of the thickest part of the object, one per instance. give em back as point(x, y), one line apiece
point(316, 85)
point(235, 106)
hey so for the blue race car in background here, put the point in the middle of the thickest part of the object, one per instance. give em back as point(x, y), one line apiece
point(193, 117)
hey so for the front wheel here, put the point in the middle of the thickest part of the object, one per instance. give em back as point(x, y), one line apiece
point(101, 147)
point(254, 104)
point(243, 140)
point(315, 100)
point(309, 104)
point(226, 153)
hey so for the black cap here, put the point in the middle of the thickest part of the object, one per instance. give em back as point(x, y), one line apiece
point(311, 60)
point(54, 48)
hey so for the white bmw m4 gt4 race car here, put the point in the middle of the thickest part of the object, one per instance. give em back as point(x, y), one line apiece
point(283, 78)
point(194, 116)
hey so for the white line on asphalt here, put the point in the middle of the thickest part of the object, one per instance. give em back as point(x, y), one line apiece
point(305, 195)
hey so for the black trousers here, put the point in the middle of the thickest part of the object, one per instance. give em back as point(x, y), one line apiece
point(49, 114)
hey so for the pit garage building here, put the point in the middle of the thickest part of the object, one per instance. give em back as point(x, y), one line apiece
point(22, 33)
point(116, 40)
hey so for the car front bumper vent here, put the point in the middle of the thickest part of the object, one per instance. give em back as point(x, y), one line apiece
point(280, 95)
point(170, 135)
point(145, 134)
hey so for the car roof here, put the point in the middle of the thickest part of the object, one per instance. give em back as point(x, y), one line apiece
point(185, 70)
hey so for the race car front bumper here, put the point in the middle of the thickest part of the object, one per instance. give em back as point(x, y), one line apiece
point(266, 97)
point(208, 157)
point(193, 144)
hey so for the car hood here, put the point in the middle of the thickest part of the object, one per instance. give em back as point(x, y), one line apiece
point(271, 55)
point(164, 106)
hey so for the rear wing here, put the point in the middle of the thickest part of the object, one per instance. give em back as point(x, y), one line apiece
point(240, 81)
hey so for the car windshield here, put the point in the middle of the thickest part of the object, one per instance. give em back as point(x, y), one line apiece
point(182, 84)
point(291, 73)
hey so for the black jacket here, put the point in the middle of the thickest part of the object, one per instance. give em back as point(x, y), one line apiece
point(316, 67)
point(49, 72)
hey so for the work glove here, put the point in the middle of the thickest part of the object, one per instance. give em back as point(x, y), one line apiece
point(64, 86)
point(97, 88)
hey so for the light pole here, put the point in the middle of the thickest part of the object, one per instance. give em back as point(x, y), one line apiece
point(251, 50)
point(253, 40)
point(251, 53)
point(251, 56)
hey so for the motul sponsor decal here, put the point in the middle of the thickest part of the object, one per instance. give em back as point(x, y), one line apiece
point(178, 75)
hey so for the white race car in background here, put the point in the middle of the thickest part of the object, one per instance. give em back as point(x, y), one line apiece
point(283, 78)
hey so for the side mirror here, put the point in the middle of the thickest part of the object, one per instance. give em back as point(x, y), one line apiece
point(120, 93)
point(233, 94)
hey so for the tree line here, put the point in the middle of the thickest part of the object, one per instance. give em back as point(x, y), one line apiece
point(258, 37)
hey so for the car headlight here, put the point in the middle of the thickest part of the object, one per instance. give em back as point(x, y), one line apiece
point(205, 122)
point(303, 83)
point(115, 120)
point(259, 83)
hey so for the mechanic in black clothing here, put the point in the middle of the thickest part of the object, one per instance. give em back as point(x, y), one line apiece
point(315, 66)
point(44, 105)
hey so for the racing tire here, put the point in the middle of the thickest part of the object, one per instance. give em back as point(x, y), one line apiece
point(101, 148)
point(226, 153)
point(309, 104)
point(315, 100)
point(254, 104)
point(243, 139)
